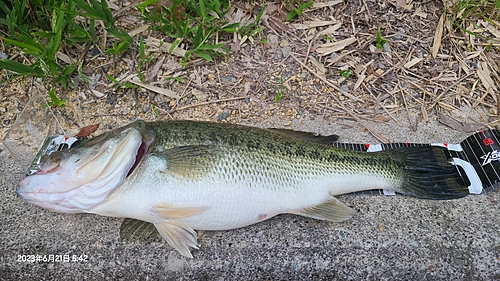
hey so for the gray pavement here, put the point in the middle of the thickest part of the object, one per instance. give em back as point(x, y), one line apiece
point(392, 238)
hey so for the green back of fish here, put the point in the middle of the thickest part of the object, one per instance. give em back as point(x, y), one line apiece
point(269, 151)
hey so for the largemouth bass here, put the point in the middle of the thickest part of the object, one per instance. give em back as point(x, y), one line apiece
point(186, 175)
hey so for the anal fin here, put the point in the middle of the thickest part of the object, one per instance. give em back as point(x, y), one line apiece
point(331, 210)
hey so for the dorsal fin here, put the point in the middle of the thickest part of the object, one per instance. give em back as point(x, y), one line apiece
point(306, 136)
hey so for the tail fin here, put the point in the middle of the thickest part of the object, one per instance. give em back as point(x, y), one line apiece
point(430, 173)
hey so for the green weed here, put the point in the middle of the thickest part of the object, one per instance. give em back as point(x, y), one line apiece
point(345, 73)
point(379, 40)
point(54, 100)
point(279, 89)
point(466, 13)
point(298, 11)
point(117, 84)
point(155, 111)
point(190, 21)
point(193, 23)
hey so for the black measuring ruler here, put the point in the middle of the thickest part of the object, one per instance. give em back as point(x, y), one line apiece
point(477, 159)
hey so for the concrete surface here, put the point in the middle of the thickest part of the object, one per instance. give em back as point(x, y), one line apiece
point(392, 238)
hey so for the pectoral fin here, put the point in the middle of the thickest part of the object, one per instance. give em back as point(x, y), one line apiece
point(331, 210)
point(190, 161)
point(178, 234)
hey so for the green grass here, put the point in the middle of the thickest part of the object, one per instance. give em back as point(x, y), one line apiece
point(466, 13)
point(41, 29)
point(194, 22)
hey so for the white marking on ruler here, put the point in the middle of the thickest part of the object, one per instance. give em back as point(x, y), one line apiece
point(388, 192)
point(476, 186)
point(374, 148)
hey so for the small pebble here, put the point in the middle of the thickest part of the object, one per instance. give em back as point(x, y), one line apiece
point(286, 50)
point(272, 40)
point(413, 243)
point(95, 52)
point(223, 116)
point(110, 100)
point(228, 78)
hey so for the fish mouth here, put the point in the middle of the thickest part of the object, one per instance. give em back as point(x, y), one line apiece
point(141, 152)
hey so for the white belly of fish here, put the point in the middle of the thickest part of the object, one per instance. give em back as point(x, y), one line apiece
point(228, 201)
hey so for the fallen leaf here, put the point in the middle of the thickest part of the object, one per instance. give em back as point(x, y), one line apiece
point(328, 48)
point(97, 93)
point(411, 63)
point(312, 24)
point(154, 46)
point(65, 58)
point(139, 29)
point(87, 130)
point(438, 36)
point(484, 74)
point(135, 80)
point(319, 5)
point(331, 29)
point(361, 78)
point(459, 126)
point(491, 28)
point(420, 13)
point(381, 118)
point(400, 3)
point(317, 64)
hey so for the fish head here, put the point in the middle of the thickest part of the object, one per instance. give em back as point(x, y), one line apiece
point(75, 179)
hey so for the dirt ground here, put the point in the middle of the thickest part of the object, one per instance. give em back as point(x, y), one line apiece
point(300, 61)
point(402, 92)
